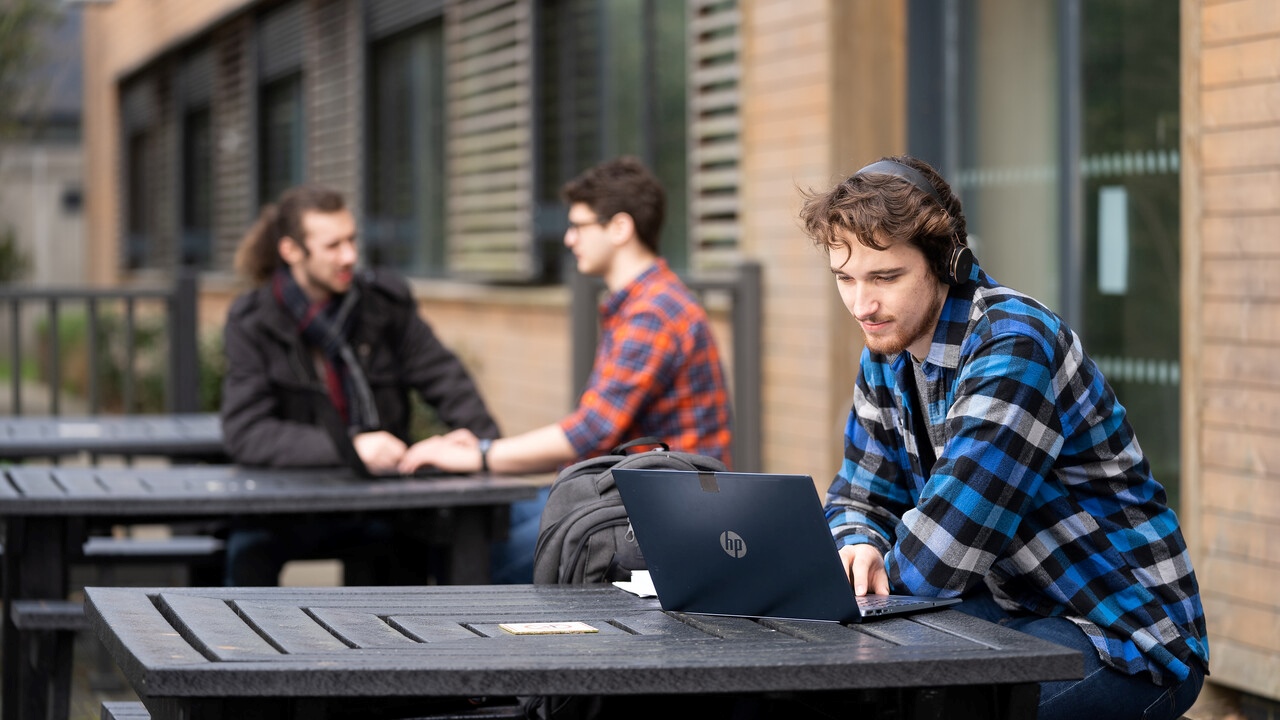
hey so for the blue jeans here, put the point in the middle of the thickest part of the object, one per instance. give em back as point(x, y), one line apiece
point(512, 560)
point(1104, 692)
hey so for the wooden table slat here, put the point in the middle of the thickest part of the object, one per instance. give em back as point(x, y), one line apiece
point(145, 637)
point(430, 629)
point(363, 629)
point(8, 489)
point(827, 632)
point(211, 626)
point(905, 631)
point(652, 623)
point(729, 628)
point(289, 627)
point(34, 482)
point(80, 484)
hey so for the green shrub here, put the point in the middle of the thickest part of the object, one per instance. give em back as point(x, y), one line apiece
point(213, 368)
point(14, 263)
point(149, 363)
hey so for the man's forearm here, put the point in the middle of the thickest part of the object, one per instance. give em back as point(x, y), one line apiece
point(540, 450)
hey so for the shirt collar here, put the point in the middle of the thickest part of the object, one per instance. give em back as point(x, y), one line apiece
point(615, 301)
point(953, 324)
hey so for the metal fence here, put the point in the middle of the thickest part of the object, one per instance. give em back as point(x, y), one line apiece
point(742, 285)
point(175, 304)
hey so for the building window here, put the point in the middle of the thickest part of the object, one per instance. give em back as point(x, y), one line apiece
point(612, 80)
point(405, 228)
point(280, 137)
point(139, 236)
point(197, 188)
point(1058, 126)
point(1130, 227)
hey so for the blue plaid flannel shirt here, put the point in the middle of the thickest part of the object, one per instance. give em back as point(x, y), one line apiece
point(1040, 490)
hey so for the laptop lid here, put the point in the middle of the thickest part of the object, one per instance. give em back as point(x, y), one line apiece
point(748, 544)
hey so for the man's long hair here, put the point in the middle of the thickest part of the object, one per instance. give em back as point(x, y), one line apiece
point(258, 255)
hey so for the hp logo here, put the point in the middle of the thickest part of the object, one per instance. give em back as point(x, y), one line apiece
point(733, 544)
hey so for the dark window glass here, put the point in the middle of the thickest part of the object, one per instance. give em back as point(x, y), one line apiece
point(1130, 170)
point(197, 188)
point(405, 228)
point(612, 80)
point(139, 237)
point(280, 138)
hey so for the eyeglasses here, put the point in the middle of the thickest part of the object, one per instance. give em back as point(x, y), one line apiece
point(578, 226)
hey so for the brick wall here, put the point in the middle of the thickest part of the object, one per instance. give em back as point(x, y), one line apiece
point(1231, 329)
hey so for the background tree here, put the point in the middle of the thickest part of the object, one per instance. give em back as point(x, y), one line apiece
point(21, 38)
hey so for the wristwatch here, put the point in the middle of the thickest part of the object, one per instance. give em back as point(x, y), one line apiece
point(485, 444)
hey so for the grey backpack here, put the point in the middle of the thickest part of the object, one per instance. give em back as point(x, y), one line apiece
point(584, 535)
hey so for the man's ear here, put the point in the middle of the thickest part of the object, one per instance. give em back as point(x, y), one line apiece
point(621, 228)
point(290, 250)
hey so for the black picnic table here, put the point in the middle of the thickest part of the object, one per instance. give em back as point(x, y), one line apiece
point(250, 653)
point(175, 436)
point(48, 511)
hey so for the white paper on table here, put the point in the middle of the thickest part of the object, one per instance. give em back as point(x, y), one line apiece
point(641, 585)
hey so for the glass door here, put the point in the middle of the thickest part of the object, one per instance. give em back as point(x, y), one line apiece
point(1057, 123)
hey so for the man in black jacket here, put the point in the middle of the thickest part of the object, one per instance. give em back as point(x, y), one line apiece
point(321, 358)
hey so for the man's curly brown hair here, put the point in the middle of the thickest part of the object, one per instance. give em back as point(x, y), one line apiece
point(880, 209)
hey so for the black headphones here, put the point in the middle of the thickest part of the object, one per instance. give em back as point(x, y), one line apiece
point(960, 260)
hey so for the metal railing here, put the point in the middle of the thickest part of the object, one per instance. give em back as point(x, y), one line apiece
point(177, 305)
point(742, 285)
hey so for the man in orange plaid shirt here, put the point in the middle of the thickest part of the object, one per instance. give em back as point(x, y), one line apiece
point(657, 370)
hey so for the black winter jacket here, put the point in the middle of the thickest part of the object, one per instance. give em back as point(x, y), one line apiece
point(273, 398)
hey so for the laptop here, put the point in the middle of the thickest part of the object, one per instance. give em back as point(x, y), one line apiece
point(746, 544)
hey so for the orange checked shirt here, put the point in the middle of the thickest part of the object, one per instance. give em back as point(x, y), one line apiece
point(657, 372)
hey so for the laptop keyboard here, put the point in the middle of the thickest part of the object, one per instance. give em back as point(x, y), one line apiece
point(872, 602)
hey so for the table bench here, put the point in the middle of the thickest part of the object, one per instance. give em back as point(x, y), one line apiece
point(322, 653)
point(138, 711)
point(124, 711)
point(179, 436)
point(47, 631)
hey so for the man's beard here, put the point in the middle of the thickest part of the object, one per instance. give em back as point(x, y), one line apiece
point(324, 285)
point(905, 336)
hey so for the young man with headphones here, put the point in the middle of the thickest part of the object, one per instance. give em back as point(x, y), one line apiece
point(987, 458)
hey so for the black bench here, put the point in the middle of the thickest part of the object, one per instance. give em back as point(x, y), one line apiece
point(138, 711)
point(124, 711)
point(203, 556)
point(47, 630)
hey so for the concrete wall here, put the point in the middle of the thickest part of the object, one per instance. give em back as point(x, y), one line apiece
point(34, 177)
